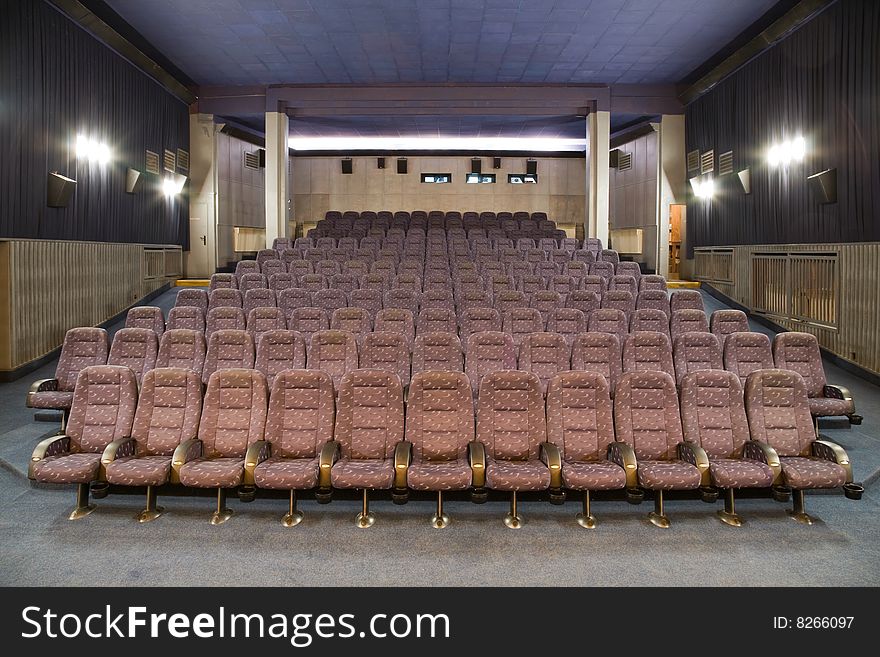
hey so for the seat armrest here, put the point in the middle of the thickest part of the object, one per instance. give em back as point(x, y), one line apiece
point(625, 456)
point(51, 446)
point(697, 457)
point(185, 452)
point(825, 449)
point(837, 392)
point(477, 461)
point(256, 453)
point(552, 458)
point(402, 459)
point(758, 451)
point(119, 448)
point(41, 385)
point(329, 456)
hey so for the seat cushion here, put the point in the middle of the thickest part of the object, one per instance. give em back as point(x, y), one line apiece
point(79, 468)
point(143, 471)
point(668, 475)
point(287, 474)
point(451, 475)
point(806, 472)
point(740, 473)
point(373, 474)
point(52, 399)
point(593, 475)
point(830, 407)
point(517, 475)
point(213, 473)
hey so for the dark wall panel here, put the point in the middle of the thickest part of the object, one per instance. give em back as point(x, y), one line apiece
point(59, 81)
point(824, 83)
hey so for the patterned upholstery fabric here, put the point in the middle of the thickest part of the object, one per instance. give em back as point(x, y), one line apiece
point(478, 320)
point(580, 424)
point(646, 415)
point(221, 281)
point(354, 320)
point(271, 268)
point(544, 354)
point(511, 425)
point(225, 298)
point(686, 299)
point(403, 299)
point(186, 317)
point(649, 319)
point(688, 320)
point(609, 320)
point(396, 320)
point(369, 300)
point(529, 284)
point(488, 351)
point(313, 282)
point(298, 424)
point(506, 300)
point(369, 424)
point(725, 322)
point(563, 285)
point(135, 348)
point(621, 300)
point(300, 268)
point(629, 269)
point(655, 299)
point(584, 300)
point(388, 351)
point(233, 417)
point(600, 353)
point(148, 317)
point(519, 322)
point(433, 320)
point(291, 298)
point(440, 423)
point(103, 409)
point(82, 347)
point(189, 297)
point(545, 302)
point(799, 352)
point(437, 351)
point(334, 352)
point(694, 351)
point(224, 318)
point(594, 283)
point(568, 322)
point(168, 413)
point(279, 350)
point(182, 348)
point(250, 282)
point(746, 352)
point(801, 472)
point(261, 320)
point(584, 255)
point(308, 321)
point(228, 349)
point(329, 300)
point(624, 284)
point(603, 269)
point(648, 351)
point(344, 282)
point(652, 282)
point(609, 255)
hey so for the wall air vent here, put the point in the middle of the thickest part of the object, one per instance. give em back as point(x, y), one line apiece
point(151, 163)
point(624, 161)
point(725, 163)
point(169, 161)
point(182, 160)
point(693, 160)
point(707, 162)
point(251, 160)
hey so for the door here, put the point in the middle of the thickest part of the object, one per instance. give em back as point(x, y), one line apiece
point(676, 214)
point(197, 260)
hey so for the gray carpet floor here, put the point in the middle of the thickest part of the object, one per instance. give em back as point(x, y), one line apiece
point(39, 546)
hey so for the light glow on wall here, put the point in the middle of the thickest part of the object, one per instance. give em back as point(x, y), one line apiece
point(92, 150)
point(786, 152)
point(495, 144)
point(172, 185)
point(703, 188)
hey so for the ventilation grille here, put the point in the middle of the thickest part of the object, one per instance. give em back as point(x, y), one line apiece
point(151, 164)
point(725, 163)
point(183, 160)
point(624, 161)
point(693, 160)
point(251, 160)
point(169, 162)
point(707, 162)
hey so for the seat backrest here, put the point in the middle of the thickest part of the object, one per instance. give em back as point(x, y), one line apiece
point(396, 320)
point(652, 282)
point(648, 351)
point(620, 299)
point(544, 354)
point(224, 318)
point(383, 350)
point(313, 282)
point(646, 415)
point(546, 269)
point(279, 350)
point(301, 413)
point(234, 412)
point(354, 320)
point(594, 283)
point(629, 269)
point(562, 284)
point(488, 351)
point(437, 351)
point(369, 414)
point(334, 352)
point(258, 298)
point(688, 320)
point(192, 297)
point(624, 282)
point(437, 298)
point(545, 302)
point(292, 298)
point(182, 348)
point(746, 352)
point(609, 320)
point(585, 301)
point(432, 320)
point(694, 352)
point(407, 281)
point(223, 281)
point(584, 255)
point(473, 297)
point(610, 256)
point(168, 410)
point(682, 299)
point(509, 299)
point(265, 255)
point(368, 299)
point(519, 268)
point(579, 415)
point(308, 321)
point(329, 300)
point(724, 322)
point(655, 299)
point(778, 411)
point(528, 284)
point(104, 402)
point(343, 282)
point(713, 413)
point(649, 319)
point(568, 322)
point(300, 268)
point(600, 353)
point(510, 416)
point(519, 322)
point(475, 320)
point(186, 317)
point(228, 349)
point(603, 269)
point(252, 282)
point(82, 347)
point(246, 267)
point(136, 348)
point(357, 268)
point(224, 298)
point(328, 268)
point(260, 320)
point(799, 352)
point(271, 268)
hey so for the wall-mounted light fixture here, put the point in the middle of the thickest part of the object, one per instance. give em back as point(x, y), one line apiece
point(703, 188)
point(173, 183)
point(786, 152)
point(92, 150)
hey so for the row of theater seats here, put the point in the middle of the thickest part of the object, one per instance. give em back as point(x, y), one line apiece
point(420, 245)
point(299, 435)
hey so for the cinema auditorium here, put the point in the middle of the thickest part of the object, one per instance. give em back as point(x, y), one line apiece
point(447, 293)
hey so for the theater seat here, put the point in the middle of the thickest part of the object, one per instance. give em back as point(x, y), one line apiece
point(544, 354)
point(262, 319)
point(383, 350)
point(369, 431)
point(568, 322)
point(488, 351)
point(686, 299)
point(688, 320)
point(148, 317)
point(82, 347)
point(334, 352)
point(778, 411)
point(299, 432)
point(746, 352)
point(648, 351)
point(103, 407)
point(438, 350)
point(433, 320)
point(519, 322)
point(192, 297)
point(599, 353)
point(228, 349)
point(135, 348)
point(724, 322)
point(186, 317)
point(396, 320)
point(580, 423)
point(713, 416)
point(233, 418)
point(279, 350)
point(512, 428)
point(440, 426)
point(646, 416)
point(182, 348)
point(695, 351)
point(168, 413)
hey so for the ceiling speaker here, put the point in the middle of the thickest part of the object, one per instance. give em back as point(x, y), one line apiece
point(380, 162)
point(496, 162)
point(476, 165)
point(824, 185)
point(532, 167)
point(133, 181)
point(401, 165)
point(346, 165)
point(745, 179)
point(59, 189)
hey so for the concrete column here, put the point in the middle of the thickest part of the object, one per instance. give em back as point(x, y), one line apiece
point(201, 259)
point(672, 184)
point(598, 145)
point(276, 176)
